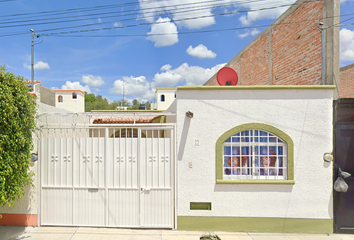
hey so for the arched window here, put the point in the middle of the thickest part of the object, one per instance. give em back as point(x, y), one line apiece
point(255, 153)
point(60, 98)
point(74, 95)
point(162, 98)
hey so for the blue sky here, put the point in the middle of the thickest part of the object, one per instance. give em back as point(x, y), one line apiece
point(97, 46)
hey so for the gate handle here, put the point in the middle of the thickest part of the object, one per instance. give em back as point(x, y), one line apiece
point(145, 189)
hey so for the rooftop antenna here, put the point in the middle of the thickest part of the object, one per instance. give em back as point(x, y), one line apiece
point(227, 76)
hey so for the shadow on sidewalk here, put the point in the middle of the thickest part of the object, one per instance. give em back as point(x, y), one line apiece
point(12, 233)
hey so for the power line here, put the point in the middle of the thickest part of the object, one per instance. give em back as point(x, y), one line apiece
point(121, 35)
point(190, 32)
point(141, 24)
point(189, 9)
point(64, 11)
point(163, 9)
point(176, 20)
point(24, 32)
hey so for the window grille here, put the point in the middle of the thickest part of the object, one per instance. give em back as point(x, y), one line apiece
point(60, 98)
point(254, 155)
point(74, 95)
point(162, 98)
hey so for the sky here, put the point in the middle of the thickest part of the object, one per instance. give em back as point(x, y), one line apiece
point(101, 46)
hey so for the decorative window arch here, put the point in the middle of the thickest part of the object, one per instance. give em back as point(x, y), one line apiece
point(162, 98)
point(74, 95)
point(255, 153)
point(60, 98)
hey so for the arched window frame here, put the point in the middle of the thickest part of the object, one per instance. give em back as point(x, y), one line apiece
point(74, 95)
point(162, 98)
point(60, 98)
point(260, 126)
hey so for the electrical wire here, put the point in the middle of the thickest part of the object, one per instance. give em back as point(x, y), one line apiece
point(149, 23)
point(134, 25)
point(156, 9)
point(65, 11)
point(176, 20)
point(91, 18)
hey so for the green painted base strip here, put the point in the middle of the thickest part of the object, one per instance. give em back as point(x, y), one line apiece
point(263, 225)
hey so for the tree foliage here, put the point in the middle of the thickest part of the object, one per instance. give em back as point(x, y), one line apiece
point(97, 102)
point(17, 124)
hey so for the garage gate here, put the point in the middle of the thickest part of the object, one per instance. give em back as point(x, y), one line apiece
point(107, 176)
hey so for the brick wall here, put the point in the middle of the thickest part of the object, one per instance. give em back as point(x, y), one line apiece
point(347, 81)
point(287, 53)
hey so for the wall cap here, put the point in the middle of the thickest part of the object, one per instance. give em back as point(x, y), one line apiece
point(260, 87)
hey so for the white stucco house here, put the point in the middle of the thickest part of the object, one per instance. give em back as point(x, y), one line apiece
point(71, 100)
point(164, 98)
point(232, 158)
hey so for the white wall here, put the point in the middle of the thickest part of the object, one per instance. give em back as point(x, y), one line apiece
point(169, 98)
point(70, 104)
point(305, 115)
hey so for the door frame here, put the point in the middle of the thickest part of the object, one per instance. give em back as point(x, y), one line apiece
point(336, 126)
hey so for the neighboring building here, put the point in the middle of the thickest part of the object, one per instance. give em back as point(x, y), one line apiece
point(164, 98)
point(289, 52)
point(71, 100)
point(58, 101)
point(347, 81)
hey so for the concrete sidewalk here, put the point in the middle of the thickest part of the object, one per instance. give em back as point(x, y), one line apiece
point(81, 233)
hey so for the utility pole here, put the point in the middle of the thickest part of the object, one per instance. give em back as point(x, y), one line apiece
point(32, 57)
point(32, 67)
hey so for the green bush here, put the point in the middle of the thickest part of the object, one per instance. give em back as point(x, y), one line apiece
point(17, 124)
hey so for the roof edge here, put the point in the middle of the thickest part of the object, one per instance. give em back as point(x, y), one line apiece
point(260, 87)
point(69, 90)
point(346, 67)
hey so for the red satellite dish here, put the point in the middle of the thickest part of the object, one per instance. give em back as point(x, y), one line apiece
point(227, 77)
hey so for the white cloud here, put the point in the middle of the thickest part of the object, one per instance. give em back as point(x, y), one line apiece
point(273, 12)
point(117, 24)
point(38, 66)
point(76, 85)
point(177, 8)
point(133, 86)
point(255, 32)
point(346, 45)
point(163, 26)
point(191, 75)
point(200, 51)
point(243, 35)
point(92, 80)
point(247, 33)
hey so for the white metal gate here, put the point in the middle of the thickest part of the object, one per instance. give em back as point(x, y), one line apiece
point(107, 176)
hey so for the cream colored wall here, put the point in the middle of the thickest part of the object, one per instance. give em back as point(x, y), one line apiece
point(169, 98)
point(70, 104)
point(304, 114)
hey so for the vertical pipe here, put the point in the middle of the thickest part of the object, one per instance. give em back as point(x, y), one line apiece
point(322, 54)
